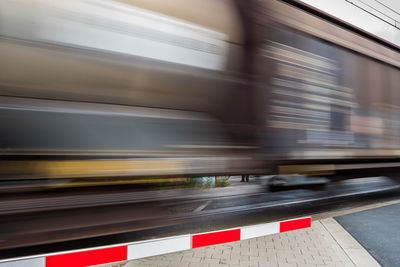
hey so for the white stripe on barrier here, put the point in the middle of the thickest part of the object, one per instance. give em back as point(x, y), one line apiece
point(259, 230)
point(158, 246)
point(35, 262)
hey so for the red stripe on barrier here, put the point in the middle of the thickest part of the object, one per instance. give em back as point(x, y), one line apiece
point(294, 224)
point(88, 258)
point(215, 238)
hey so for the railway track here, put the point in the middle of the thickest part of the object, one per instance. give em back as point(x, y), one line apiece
point(128, 216)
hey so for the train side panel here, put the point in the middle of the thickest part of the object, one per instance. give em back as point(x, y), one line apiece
point(324, 102)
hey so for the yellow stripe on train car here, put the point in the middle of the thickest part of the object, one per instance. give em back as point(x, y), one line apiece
point(90, 168)
point(310, 169)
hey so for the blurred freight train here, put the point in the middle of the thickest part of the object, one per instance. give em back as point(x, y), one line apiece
point(128, 88)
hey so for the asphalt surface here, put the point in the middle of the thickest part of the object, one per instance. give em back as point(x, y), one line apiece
point(377, 231)
point(39, 227)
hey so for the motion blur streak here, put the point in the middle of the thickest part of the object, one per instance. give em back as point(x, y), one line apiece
point(135, 88)
point(116, 27)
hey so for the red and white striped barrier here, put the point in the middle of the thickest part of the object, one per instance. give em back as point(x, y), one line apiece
point(142, 249)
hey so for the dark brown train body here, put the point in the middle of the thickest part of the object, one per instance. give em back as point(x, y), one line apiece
point(94, 93)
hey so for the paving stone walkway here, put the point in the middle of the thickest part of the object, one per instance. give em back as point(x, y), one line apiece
point(326, 243)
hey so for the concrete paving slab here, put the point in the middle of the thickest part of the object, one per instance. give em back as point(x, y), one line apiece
point(348, 245)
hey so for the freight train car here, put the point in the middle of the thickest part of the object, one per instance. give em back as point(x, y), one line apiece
point(100, 88)
point(330, 93)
